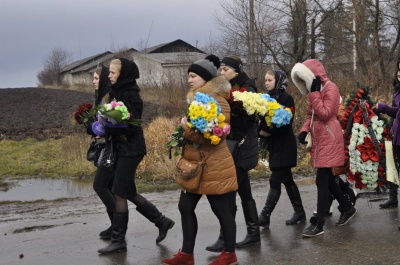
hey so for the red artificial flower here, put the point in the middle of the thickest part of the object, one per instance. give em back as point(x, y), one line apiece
point(368, 151)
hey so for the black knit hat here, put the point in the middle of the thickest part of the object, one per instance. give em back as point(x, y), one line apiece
point(206, 68)
point(232, 63)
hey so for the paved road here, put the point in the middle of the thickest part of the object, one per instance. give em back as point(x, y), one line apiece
point(67, 233)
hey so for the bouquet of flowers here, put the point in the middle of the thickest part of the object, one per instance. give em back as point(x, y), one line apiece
point(264, 106)
point(114, 114)
point(365, 134)
point(205, 116)
point(85, 114)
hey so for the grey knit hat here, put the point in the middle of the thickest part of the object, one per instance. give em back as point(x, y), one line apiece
point(206, 68)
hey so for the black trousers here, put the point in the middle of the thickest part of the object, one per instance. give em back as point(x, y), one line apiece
point(326, 184)
point(102, 185)
point(187, 205)
point(244, 187)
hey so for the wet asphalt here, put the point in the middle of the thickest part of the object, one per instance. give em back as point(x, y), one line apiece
point(66, 232)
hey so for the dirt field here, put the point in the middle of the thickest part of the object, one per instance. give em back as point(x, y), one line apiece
point(46, 113)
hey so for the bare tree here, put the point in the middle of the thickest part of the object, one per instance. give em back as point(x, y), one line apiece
point(53, 64)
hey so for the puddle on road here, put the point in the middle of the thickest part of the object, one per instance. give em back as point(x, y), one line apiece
point(46, 189)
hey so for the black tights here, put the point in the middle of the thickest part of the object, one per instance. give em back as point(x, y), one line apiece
point(326, 184)
point(122, 203)
point(187, 205)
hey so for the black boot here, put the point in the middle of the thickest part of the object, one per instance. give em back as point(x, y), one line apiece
point(253, 230)
point(345, 216)
point(295, 198)
point(106, 234)
point(120, 225)
point(148, 210)
point(219, 245)
point(316, 227)
point(270, 203)
point(392, 202)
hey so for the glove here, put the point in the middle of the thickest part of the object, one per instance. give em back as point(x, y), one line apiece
point(316, 84)
point(302, 138)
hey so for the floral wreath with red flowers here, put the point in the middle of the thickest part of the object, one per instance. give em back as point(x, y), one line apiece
point(364, 134)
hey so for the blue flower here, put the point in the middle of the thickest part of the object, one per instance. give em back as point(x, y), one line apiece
point(201, 97)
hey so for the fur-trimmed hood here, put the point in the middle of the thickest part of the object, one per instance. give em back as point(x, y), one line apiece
point(216, 86)
point(304, 73)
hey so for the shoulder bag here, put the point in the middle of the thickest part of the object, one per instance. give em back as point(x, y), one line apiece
point(107, 157)
point(93, 152)
point(189, 173)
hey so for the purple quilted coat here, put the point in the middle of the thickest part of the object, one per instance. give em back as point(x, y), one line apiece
point(395, 114)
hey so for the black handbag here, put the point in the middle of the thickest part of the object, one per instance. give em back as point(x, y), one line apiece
point(233, 146)
point(93, 152)
point(107, 157)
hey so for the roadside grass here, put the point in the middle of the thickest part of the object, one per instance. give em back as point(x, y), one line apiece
point(66, 158)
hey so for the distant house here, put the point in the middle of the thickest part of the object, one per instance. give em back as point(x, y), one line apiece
point(166, 63)
point(158, 65)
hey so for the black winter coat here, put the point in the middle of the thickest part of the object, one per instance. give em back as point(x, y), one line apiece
point(244, 127)
point(129, 142)
point(282, 145)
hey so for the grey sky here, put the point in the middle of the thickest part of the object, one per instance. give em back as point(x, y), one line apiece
point(30, 29)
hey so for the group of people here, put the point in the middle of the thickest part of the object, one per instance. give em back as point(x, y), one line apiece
point(227, 172)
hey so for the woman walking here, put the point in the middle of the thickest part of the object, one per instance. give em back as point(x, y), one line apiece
point(218, 180)
point(327, 140)
point(244, 135)
point(282, 149)
point(103, 179)
point(130, 149)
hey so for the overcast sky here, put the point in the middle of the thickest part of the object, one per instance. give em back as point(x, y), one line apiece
point(30, 29)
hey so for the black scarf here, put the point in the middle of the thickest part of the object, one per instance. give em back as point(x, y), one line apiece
point(128, 75)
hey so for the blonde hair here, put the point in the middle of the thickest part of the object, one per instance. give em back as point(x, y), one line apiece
point(117, 63)
point(270, 72)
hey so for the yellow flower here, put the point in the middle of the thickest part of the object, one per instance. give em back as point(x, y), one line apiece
point(215, 139)
point(221, 117)
point(190, 125)
point(221, 125)
point(207, 135)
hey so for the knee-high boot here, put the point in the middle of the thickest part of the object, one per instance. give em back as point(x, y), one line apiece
point(106, 234)
point(119, 227)
point(219, 245)
point(270, 203)
point(392, 201)
point(253, 229)
point(150, 211)
point(295, 198)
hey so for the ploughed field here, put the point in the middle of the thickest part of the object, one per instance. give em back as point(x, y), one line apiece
point(43, 113)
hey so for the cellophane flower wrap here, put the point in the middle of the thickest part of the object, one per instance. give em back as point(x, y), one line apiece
point(364, 159)
point(116, 114)
point(205, 116)
point(85, 114)
point(264, 106)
